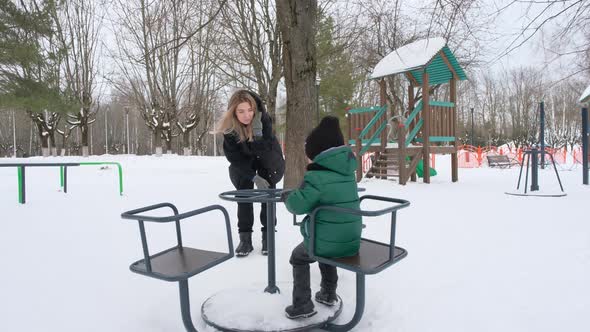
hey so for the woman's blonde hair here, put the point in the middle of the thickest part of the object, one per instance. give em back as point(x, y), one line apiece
point(229, 121)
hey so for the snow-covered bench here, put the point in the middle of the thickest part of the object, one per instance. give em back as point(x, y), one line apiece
point(373, 257)
point(501, 161)
point(177, 263)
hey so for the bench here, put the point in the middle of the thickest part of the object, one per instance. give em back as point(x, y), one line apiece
point(177, 263)
point(372, 258)
point(500, 161)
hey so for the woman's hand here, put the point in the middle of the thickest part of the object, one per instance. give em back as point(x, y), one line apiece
point(257, 125)
point(260, 182)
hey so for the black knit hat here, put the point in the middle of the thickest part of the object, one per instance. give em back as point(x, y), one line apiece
point(326, 135)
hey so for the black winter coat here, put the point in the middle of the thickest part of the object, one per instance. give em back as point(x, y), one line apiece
point(263, 156)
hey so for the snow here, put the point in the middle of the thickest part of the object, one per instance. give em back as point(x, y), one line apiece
point(264, 315)
point(478, 259)
point(409, 57)
point(586, 95)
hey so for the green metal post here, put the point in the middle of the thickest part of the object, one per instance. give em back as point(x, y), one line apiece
point(20, 185)
point(61, 176)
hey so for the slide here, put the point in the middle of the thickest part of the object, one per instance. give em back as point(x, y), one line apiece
point(420, 170)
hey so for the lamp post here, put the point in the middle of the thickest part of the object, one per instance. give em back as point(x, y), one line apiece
point(127, 130)
point(106, 132)
point(585, 145)
point(317, 89)
point(13, 135)
point(542, 133)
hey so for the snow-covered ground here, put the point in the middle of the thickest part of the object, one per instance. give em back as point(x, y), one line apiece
point(479, 260)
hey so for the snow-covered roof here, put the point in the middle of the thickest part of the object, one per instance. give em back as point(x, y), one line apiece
point(409, 57)
point(585, 98)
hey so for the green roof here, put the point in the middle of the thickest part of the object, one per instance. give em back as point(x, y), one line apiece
point(412, 58)
point(438, 71)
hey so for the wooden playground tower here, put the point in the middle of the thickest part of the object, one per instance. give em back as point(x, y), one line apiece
point(428, 127)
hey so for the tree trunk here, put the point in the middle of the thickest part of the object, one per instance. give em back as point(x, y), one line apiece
point(271, 106)
point(297, 21)
point(53, 144)
point(156, 143)
point(84, 130)
point(186, 143)
point(168, 146)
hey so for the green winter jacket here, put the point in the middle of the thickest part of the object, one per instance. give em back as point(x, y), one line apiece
point(330, 180)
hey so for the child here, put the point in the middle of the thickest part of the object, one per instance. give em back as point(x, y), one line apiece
point(329, 180)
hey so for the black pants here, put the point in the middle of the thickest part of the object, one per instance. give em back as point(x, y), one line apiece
point(300, 261)
point(246, 210)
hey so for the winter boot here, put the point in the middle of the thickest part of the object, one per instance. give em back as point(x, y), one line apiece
point(326, 297)
point(302, 306)
point(327, 294)
point(245, 246)
point(302, 311)
point(264, 244)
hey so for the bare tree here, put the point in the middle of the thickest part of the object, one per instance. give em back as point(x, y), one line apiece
point(251, 49)
point(199, 100)
point(46, 123)
point(78, 27)
point(155, 61)
point(569, 22)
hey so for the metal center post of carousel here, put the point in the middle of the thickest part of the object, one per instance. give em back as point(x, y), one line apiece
point(270, 197)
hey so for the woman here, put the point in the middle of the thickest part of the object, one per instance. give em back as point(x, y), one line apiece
point(255, 156)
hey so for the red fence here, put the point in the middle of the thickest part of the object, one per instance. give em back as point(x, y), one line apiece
point(473, 157)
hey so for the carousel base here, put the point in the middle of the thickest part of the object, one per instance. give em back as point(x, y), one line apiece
point(537, 193)
point(253, 310)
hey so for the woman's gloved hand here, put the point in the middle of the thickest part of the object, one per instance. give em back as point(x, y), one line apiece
point(257, 125)
point(260, 182)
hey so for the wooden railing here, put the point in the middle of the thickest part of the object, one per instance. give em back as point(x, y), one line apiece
point(442, 126)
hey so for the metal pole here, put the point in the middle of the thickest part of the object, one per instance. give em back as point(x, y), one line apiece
point(585, 145)
point(127, 131)
point(542, 134)
point(535, 170)
point(13, 134)
point(317, 86)
point(270, 240)
point(472, 126)
point(106, 132)
point(215, 145)
point(185, 306)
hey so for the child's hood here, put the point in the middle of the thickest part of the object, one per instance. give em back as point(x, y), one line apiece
point(339, 159)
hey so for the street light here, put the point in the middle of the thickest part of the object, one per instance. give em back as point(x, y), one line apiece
point(13, 134)
point(127, 131)
point(106, 132)
point(317, 86)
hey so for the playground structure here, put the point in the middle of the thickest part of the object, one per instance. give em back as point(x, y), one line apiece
point(180, 263)
point(63, 172)
point(429, 126)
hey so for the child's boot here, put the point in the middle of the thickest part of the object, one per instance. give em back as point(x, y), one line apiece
point(300, 311)
point(302, 306)
point(326, 297)
point(327, 294)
